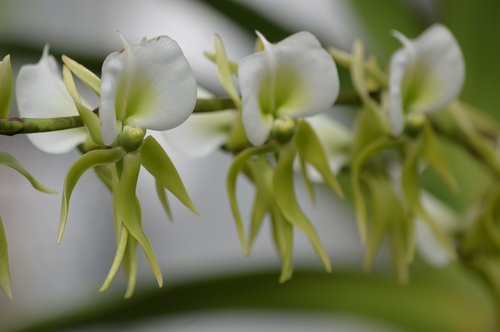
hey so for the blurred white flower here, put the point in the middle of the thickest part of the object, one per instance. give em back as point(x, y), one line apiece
point(149, 85)
point(426, 74)
point(40, 92)
point(293, 78)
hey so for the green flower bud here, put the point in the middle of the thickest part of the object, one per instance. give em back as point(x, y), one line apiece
point(283, 129)
point(131, 138)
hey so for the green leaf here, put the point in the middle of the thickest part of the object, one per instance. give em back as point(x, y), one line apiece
point(88, 160)
point(411, 191)
point(358, 162)
point(284, 195)
point(311, 150)
point(89, 118)
point(128, 209)
point(9, 161)
point(157, 162)
point(4, 263)
point(224, 72)
point(5, 86)
point(120, 251)
point(85, 75)
point(236, 167)
point(434, 155)
point(162, 196)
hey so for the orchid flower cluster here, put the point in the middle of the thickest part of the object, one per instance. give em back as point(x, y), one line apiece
point(276, 124)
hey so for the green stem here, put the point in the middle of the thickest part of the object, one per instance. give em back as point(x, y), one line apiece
point(15, 126)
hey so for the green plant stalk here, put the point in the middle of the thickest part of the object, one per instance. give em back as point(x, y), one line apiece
point(15, 126)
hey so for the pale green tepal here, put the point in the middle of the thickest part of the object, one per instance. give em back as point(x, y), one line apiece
point(426, 74)
point(294, 78)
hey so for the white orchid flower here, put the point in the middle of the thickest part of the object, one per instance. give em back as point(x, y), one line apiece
point(294, 78)
point(203, 133)
point(426, 74)
point(149, 85)
point(40, 92)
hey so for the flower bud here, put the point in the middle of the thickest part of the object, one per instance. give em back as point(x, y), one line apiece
point(131, 138)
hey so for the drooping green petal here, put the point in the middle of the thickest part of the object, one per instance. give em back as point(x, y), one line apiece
point(40, 92)
point(5, 86)
point(149, 85)
point(283, 239)
point(90, 159)
point(311, 150)
point(85, 75)
point(236, 167)
point(9, 161)
point(130, 266)
point(163, 197)
point(128, 210)
point(224, 72)
point(157, 162)
point(411, 191)
point(120, 252)
point(4, 263)
point(284, 194)
point(89, 118)
point(426, 74)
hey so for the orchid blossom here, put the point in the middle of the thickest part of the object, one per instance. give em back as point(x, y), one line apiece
point(40, 92)
point(426, 74)
point(294, 78)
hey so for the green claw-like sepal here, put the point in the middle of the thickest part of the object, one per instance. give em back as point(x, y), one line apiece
point(87, 161)
point(84, 74)
point(5, 285)
point(5, 86)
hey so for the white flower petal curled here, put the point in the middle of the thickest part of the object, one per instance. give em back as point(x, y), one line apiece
point(427, 73)
point(149, 85)
point(40, 93)
point(295, 77)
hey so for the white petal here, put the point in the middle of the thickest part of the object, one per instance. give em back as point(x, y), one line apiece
point(295, 77)
point(40, 93)
point(202, 134)
point(426, 74)
point(154, 81)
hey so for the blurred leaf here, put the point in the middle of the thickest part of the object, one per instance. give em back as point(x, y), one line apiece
point(4, 263)
point(449, 299)
point(87, 161)
point(157, 162)
point(284, 194)
point(249, 19)
point(9, 161)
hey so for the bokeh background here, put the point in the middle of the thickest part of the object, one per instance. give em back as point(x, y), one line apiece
point(51, 280)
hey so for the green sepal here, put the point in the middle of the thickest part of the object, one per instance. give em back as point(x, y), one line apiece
point(434, 155)
point(369, 127)
point(224, 72)
point(233, 66)
point(128, 209)
point(88, 160)
point(236, 167)
point(89, 118)
point(284, 195)
point(283, 240)
point(9, 161)
point(262, 176)
point(130, 266)
point(357, 192)
point(85, 75)
point(5, 86)
point(117, 261)
point(307, 180)
point(162, 196)
point(157, 162)
point(5, 285)
point(311, 150)
point(358, 77)
point(411, 191)
point(108, 175)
